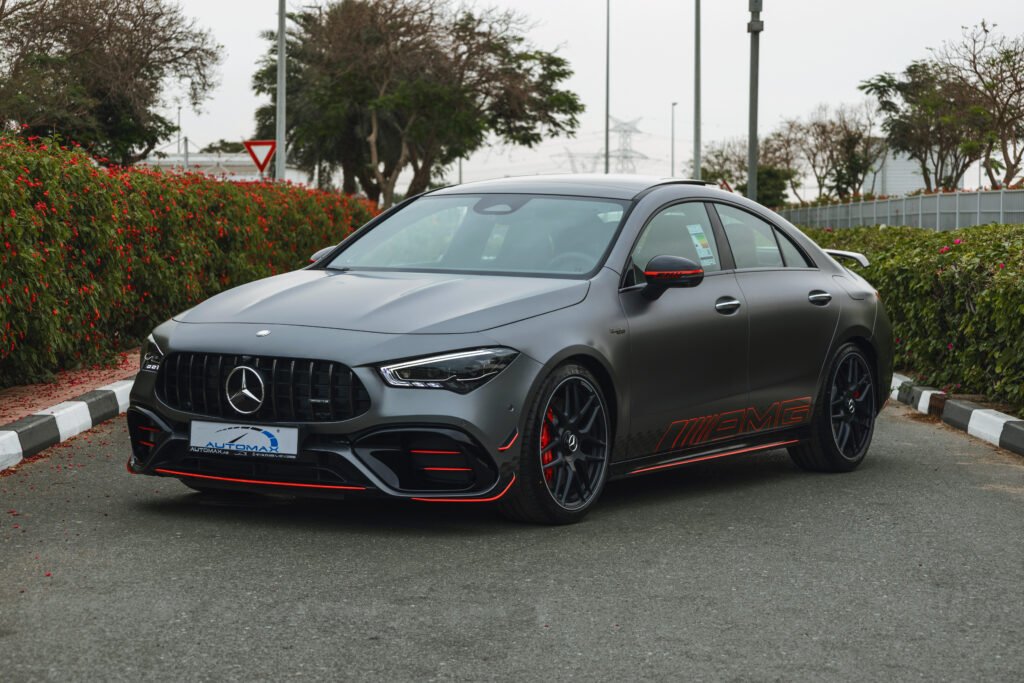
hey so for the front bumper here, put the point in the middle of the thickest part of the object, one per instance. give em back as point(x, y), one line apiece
point(418, 444)
point(415, 462)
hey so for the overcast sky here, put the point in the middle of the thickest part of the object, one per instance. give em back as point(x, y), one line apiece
point(812, 51)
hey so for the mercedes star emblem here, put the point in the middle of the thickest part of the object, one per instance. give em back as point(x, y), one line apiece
point(572, 442)
point(245, 390)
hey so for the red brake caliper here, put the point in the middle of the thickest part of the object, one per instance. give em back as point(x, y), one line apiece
point(545, 439)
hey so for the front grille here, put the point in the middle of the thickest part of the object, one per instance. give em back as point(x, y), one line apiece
point(295, 390)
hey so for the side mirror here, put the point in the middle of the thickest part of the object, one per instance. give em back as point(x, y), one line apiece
point(320, 254)
point(663, 272)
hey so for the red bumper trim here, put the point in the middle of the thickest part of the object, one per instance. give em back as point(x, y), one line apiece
point(469, 500)
point(510, 443)
point(292, 484)
point(677, 463)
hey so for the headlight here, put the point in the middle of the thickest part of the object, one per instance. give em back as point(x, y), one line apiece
point(461, 372)
point(150, 355)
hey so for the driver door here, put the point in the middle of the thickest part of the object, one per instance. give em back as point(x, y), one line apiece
point(688, 348)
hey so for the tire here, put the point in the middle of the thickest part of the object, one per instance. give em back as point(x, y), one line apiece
point(844, 421)
point(563, 460)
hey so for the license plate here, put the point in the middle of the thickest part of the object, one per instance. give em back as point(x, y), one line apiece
point(217, 438)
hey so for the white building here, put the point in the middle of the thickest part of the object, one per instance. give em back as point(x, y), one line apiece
point(230, 166)
point(896, 176)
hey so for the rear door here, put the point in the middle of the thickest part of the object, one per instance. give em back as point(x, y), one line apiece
point(792, 309)
point(687, 349)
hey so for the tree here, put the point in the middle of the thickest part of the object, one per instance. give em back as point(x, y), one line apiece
point(991, 67)
point(783, 148)
point(771, 185)
point(818, 148)
point(933, 118)
point(95, 70)
point(223, 146)
point(856, 150)
point(387, 85)
point(725, 160)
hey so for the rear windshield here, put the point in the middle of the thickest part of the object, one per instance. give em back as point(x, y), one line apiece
point(490, 233)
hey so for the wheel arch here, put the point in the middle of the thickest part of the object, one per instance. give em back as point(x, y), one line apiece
point(601, 369)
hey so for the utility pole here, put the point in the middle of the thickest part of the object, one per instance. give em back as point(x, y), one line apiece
point(460, 170)
point(179, 129)
point(673, 162)
point(754, 28)
point(186, 152)
point(607, 83)
point(279, 165)
point(696, 94)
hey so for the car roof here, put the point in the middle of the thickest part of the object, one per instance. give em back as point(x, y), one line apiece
point(611, 186)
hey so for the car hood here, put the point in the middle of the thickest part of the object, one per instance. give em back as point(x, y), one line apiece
point(388, 302)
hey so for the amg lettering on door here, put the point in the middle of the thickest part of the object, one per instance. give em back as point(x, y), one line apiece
point(708, 428)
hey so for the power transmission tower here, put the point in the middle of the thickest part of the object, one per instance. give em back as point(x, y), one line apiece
point(585, 162)
point(625, 156)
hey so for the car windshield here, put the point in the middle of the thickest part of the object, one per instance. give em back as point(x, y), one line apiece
point(490, 233)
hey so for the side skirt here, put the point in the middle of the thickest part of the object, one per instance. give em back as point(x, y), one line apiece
point(665, 461)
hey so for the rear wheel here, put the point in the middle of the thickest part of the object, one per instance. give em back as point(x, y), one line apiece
point(844, 421)
point(563, 464)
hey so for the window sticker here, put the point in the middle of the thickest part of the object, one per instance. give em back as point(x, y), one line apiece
point(700, 242)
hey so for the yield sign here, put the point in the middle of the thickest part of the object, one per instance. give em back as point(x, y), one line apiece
point(261, 152)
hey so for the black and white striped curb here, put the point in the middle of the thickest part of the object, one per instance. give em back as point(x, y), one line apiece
point(30, 435)
point(999, 429)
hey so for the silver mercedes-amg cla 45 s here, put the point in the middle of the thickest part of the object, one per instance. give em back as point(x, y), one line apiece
point(521, 342)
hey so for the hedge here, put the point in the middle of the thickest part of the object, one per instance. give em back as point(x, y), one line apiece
point(92, 258)
point(956, 300)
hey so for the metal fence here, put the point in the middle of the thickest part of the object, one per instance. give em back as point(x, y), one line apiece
point(946, 211)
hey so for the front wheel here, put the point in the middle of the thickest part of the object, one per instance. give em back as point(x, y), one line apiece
point(563, 464)
point(844, 421)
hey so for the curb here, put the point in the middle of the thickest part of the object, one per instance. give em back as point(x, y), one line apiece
point(30, 435)
point(998, 429)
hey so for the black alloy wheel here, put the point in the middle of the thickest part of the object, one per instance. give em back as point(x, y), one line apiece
point(844, 420)
point(851, 404)
point(564, 459)
point(574, 443)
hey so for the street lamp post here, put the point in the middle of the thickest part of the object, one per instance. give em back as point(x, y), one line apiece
point(279, 165)
point(673, 155)
point(754, 27)
point(607, 83)
point(696, 95)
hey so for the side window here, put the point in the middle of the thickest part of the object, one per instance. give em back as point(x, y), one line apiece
point(793, 256)
point(752, 240)
point(680, 230)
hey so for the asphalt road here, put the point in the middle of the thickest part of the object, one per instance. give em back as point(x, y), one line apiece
point(911, 568)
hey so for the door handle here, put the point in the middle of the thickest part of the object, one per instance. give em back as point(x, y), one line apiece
point(727, 305)
point(819, 298)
